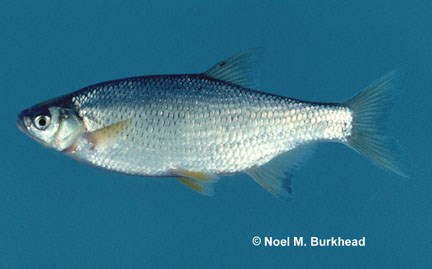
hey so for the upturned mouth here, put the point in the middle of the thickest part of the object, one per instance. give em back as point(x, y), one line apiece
point(23, 122)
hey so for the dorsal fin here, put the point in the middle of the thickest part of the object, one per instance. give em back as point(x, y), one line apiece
point(239, 69)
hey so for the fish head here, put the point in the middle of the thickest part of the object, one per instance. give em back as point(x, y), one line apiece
point(51, 125)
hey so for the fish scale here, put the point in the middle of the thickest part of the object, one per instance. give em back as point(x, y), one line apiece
point(214, 126)
point(196, 127)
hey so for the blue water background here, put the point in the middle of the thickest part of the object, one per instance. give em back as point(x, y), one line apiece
point(58, 213)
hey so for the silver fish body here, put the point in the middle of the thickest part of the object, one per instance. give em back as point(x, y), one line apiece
point(197, 123)
point(196, 126)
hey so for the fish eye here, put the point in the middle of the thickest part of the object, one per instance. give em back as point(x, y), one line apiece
point(42, 121)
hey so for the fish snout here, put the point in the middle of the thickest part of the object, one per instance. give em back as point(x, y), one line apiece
point(23, 122)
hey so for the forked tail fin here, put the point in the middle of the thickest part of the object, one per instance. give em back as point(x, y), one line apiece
point(369, 135)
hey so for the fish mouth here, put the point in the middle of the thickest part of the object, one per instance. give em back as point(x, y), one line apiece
point(23, 123)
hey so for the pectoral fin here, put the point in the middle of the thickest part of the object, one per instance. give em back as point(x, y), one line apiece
point(108, 133)
point(276, 175)
point(198, 181)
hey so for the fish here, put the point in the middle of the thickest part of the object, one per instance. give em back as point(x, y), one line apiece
point(199, 127)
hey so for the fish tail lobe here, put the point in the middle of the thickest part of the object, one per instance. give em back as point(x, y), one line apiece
point(370, 111)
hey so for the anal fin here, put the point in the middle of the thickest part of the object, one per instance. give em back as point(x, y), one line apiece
point(276, 175)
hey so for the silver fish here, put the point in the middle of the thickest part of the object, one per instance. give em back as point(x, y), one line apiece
point(196, 127)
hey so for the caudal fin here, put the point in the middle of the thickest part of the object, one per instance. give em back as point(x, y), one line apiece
point(369, 135)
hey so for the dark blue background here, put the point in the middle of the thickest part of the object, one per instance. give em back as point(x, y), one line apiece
point(58, 213)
